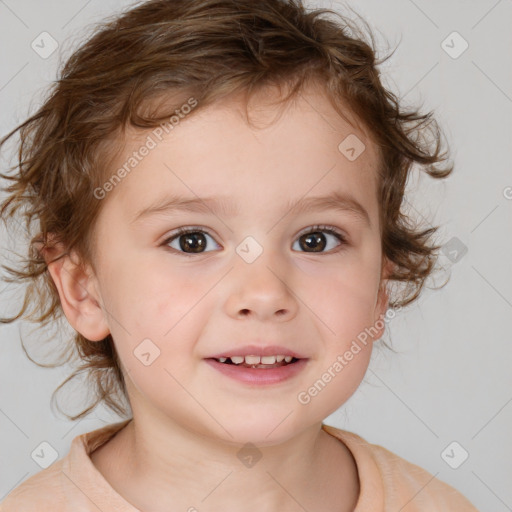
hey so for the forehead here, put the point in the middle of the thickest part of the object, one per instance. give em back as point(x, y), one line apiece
point(291, 151)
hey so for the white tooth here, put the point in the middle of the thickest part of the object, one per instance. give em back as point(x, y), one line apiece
point(252, 359)
point(223, 359)
point(268, 360)
point(287, 359)
point(237, 359)
point(279, 358)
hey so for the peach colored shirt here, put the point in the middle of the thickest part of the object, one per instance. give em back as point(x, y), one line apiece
point(388, 483)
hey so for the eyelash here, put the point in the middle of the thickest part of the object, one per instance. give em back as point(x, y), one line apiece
point(313, 229)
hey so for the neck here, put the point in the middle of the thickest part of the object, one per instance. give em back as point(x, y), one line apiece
point(151, 468)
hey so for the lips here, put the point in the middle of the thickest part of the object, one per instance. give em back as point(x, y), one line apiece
point(257, 361)
point(258, 374)
point(258, 351)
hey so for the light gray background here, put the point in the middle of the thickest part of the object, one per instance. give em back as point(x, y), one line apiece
point(452, 379)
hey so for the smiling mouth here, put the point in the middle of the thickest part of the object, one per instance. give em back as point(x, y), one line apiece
point(258, 362)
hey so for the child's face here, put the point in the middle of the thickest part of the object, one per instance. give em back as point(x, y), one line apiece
point(313, 296)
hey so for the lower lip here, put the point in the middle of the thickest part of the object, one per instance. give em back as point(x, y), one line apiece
point(259, 376)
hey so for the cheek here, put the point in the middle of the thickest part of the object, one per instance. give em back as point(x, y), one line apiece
point(154, 325)
point(151, 296)
point(343, 293)
point(346, 318)
point(167, 305)
point(344, 308)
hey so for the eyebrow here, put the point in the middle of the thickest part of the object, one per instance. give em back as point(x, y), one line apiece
point(334, 201)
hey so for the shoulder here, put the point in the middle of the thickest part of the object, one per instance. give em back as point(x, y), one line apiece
point(41, 492)
point(415, 484)
point(69, 483)
point(397, 482)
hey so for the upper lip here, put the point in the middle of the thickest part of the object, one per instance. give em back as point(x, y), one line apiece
point(258, 350)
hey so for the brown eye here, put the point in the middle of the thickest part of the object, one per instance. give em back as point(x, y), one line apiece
point(316, 239)
point(189, 241)
point(193, 242)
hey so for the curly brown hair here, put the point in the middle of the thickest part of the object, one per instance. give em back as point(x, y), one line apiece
point(207, 49)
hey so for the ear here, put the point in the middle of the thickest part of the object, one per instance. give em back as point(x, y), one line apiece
point(78, 292)
point(382, 302)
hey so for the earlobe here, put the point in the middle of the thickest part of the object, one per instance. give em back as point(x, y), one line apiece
point(383, 299)
point(382, 302)
point(79, 297)
point(380, 311)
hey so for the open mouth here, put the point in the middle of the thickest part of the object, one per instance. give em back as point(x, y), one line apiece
point(264, 362)
point(258, 371)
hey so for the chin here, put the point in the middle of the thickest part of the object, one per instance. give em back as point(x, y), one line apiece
point(263, 429)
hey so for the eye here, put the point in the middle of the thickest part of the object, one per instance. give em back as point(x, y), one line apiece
point(192, 240)
point(188, 239)
point(314, 238)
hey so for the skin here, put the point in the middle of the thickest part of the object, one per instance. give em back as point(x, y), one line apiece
point(189, 419)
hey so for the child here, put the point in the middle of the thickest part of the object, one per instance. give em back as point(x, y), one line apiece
point(218, 187)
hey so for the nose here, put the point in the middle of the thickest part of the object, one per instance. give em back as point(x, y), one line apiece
point(262, 289)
